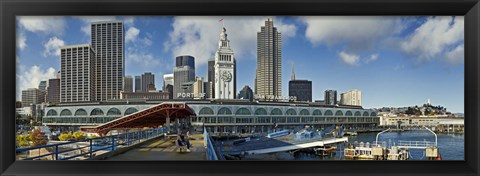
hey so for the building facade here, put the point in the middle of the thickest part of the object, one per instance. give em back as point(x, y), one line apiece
point(301, 89)
point(148, 82)
point(268, 80)
point(167, 80)
point(78, 78)
point(53, 91)
point(138, 84)
point(42, 86)
point(330, 97)
point(246, 93)
point(152, 95)
point(224, 68)
point(236, 116)
point(351, 97)
point(108, 41)
point(32, 96)
point(199, 89)
point(128, 84)
point(183, 72)
point(211, 76)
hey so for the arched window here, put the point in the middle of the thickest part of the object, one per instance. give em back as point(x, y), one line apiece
point(339, 113)
point(130, 111)
point(276, 111)
point(66, 112)
point(304, 112)
point(317, 112)
point(206, 110)
point(80, 112)
point(96, 112)
point(365, 113)
point(373, 114)
point(261, 111)
point(291, 112)
point(328, 113)
point(349, 113)
point(224, 111)
point(243, 111)
point(357, 114)
point(52, 112)
point(114, 112)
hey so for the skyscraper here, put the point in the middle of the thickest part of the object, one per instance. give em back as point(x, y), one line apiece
point(108, 41)
point(77, 65)
point(167, 80)
point(330, 97)
point(32, 96)
point(42, 86)
point(138, 84)
point(53, 91)
point(198, 88)
point(224, 69)
point(148, 82)
point(301, 89)
point(184, 72)
point(211, 77)
point(268, 80)
point(246, 93)
point(128, 84)
point(351, 97)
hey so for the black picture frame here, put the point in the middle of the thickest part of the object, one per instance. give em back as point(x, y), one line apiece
point(9, 9)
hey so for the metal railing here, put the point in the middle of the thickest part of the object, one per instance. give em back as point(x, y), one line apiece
point(87, 148)
point(211, 154)
point(416, 144)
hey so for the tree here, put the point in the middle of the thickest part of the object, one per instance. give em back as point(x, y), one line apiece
point(79, 135)
point(94, 136)
point(65, 137)
point(23, 140)
point(38, 138)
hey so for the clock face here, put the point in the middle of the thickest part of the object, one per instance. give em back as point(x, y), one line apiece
point(226, 76)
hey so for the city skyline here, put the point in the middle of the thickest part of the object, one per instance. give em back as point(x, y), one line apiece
point(415, 72)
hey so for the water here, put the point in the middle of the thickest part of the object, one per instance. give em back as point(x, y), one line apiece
point(451, 146)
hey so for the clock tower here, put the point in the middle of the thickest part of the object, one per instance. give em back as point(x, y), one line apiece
point(224, 69)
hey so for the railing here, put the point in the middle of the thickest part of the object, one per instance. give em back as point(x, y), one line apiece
point(87, 148)
point(416, 144)
point(211, 154)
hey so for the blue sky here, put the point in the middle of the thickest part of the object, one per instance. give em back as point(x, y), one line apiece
point(394, 61)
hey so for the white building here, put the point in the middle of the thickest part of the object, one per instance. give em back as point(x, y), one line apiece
point(198, 88)
point(352, 98)
point(24, 112)
point(224, 69)
point(167, 79)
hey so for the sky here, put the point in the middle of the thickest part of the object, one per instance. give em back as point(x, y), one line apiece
point(395, 61)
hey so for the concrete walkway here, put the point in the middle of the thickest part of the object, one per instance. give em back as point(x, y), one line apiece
point(165, 149)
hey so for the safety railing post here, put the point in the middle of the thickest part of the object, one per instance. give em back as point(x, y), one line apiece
point(56, 152)
point(113, 142)
point(91, 146)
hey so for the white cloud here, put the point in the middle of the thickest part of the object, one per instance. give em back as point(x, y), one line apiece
point(371, 58)
point(21, 40)
point(31, 78)
point(132, 34)
point(144, 59)
point(198, 36)
point(52, 47)
point(43, 24)
point(350, 59)
point(456, 55)
point(433, 38)
point(356, 34)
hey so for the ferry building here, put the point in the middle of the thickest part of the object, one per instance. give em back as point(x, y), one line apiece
point(218, 116)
